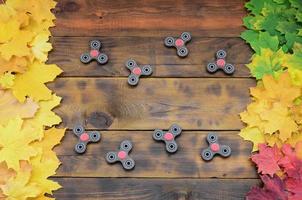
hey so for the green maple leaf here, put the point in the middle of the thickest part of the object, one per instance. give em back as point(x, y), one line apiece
point(294, 60)
point(255, 6)
point(260, 40)
point(267, 62)
point(291, 39)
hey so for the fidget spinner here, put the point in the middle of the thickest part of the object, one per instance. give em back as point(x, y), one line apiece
point(122, 155)
point(215, 148)
point(137, 71)
point(94, 54)
point(168, 137)
point(221, 64)
point(85, 138)
point(179, 43)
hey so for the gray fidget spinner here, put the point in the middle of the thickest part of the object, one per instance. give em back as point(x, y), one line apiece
point(137, 71)
point(94, 54)
point(168, 137)
point(85, 138)
point(215, 148)
point(221, 64)
point(179, 43)
point(122, 155)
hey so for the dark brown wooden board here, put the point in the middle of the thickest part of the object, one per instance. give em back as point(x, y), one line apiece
point(207, 18)
point(179, 91)
point(149, 50)
point(153, 161)
point(153, 189)
point(195, 104)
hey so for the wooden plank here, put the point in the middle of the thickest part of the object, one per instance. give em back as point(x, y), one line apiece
point(153, 189)
point(217, 18)
point(153, 161)
point(110, 103)
point(149, 50)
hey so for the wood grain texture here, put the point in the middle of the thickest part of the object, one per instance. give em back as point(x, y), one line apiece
point(153, 161)
point(149, 50)
point(195, 104)
point(149, 18)
point(153, 189)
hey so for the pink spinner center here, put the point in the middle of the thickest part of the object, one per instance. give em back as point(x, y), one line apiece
point(168, 136)
point(137, 71)
point(179, 42)
point(94, 53)
point(84, 137)
point(214, 147)
point(220, 62)
point(122, 155)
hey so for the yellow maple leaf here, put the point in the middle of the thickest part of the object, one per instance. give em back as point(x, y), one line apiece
point(17, 46)
point(18, 187)
point(8, 30)
point(296, 138)
point(41, 170)
point(273, 139)
point(40, 10)
point(14, 143)
point(278, 119)
point(15, 64)
point(46, 162)
point(254, 135)
point(252, 115)
point(41, 47)
point(295, 76)
point(281, 90)
point(52, 137)
point(44, 116)
point(11, 108)
point(6, 80)
point(31, 83)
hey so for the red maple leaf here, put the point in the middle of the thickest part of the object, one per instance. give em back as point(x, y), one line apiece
point(294, 186)
point(290, 163)
point(273, 189)
point(267, 159)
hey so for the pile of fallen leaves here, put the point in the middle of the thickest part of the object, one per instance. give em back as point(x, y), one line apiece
point(274, 118)
point(26, 139)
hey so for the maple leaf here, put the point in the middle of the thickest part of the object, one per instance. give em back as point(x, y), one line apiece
point(260, 40)
point(298, 148)
point(37, 74)
point(267, 159)
point(6, 80)
point(41, 171)
point(273, 189)
point(17, 46)
point(293, 60)
point(5, 175)
point(47, 157)
point(267, 62)
point(39, 10)
point(278, 119)
point(44, 116)
point(254, 135)
point(52, 137)
point(290, 162)
point(18, 187)
point(14, 143)
point(11, 108)
point(41, 47)
point(15, 64)
point(277, 90)
point(294, 186)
